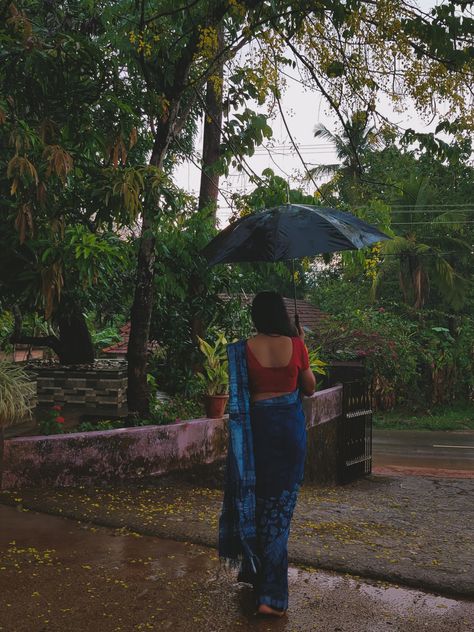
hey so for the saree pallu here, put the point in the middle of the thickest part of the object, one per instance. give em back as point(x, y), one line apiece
point(267, 444)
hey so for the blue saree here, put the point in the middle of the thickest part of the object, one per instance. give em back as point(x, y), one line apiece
point(264, 470)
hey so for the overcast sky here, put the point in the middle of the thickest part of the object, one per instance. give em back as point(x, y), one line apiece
point(303, 109)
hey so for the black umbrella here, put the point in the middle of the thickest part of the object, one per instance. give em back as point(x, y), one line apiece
point(290, 232)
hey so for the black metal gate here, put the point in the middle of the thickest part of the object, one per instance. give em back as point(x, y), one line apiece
point(355, 455)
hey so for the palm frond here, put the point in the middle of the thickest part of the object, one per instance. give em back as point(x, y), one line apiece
point(322, 170)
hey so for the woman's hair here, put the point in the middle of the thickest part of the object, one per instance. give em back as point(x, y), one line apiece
point(269, 315)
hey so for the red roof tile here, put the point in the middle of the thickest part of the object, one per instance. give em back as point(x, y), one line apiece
point(120, 348)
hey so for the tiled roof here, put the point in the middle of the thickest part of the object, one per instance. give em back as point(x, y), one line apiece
point(310, 316)
point(120, 348)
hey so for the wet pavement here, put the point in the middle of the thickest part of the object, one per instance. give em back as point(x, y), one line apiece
point(424, 449)
point(410, 530)
point(61, 576)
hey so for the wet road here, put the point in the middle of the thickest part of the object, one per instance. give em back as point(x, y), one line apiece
point(419, 448)
point(58, 575)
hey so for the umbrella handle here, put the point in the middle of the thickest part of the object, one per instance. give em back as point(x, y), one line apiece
point(297, 324)
point(297, 318)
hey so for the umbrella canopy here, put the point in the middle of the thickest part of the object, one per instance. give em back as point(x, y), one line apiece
point(290, 231)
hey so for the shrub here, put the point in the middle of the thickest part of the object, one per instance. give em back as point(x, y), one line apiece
point(411, 359)
point(52, 421)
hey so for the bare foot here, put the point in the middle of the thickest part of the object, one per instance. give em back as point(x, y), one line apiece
point(264, 609)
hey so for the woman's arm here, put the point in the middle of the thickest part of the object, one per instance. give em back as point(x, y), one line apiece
point(307, 382)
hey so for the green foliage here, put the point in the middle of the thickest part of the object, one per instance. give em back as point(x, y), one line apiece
point(412, 358)
point(105, 424)
point(315, 363)
point(51, 421)
point(214, 378)
point(176, 410)
point(6, 330)
point(163, 413)
point(190, 297)
point(454, 416)
point(17, 390)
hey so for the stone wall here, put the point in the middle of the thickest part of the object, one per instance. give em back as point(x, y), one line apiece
point(88, 458)
point(100, 387)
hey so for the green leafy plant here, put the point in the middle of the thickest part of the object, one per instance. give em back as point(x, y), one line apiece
point(17, 391)
point(214, 377)
point(106, 424)
point(315, 363)
point(163, 413)
point(175, 410)
point(52, 422)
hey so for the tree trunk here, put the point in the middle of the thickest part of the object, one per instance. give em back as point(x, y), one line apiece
point(138, 398)
point(75, 344)
point(137, 353)
point(209, 188)
point(137, 393)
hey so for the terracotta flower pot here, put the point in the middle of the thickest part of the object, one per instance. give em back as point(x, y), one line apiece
point(215, 405)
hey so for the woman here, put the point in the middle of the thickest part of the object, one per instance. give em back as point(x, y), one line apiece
point(267, 441)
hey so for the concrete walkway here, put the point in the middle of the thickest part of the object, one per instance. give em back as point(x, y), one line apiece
point(410, 530)
point(57, 575)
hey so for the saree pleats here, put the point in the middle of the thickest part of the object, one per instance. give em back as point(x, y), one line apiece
point(279, 438)
point(265, 462)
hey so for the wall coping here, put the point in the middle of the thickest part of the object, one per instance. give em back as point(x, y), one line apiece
point(94, 434)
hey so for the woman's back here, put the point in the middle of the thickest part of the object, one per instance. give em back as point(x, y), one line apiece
point(275, 364)
point(271, 351)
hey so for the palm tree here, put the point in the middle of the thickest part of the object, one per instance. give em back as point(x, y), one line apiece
point(356, 138)
point(422, 262)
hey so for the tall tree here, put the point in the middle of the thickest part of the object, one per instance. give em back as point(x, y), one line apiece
point(356, 138)
point(130, 76)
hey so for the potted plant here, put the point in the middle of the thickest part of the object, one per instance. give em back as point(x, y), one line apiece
point(214, 377)
point(17, 393)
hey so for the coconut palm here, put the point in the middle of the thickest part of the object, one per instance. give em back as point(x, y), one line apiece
point(17, 391)
point(423, 262)
point(356, 138)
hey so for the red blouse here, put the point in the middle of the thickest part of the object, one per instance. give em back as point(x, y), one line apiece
point(282, 379)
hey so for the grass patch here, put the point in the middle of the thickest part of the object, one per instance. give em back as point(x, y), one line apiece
point(455, 416)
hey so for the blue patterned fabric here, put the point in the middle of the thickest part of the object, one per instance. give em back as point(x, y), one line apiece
point(237, 524)
point(279, 436)
point(265, 461)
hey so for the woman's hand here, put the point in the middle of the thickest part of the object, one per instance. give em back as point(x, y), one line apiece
point(300, 331)
point(299, 328)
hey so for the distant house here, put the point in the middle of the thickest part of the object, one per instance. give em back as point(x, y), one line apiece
point(119, 349)
point(310, 316)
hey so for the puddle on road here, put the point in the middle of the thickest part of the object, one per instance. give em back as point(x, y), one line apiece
point(397, 598)
point(129, 582)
